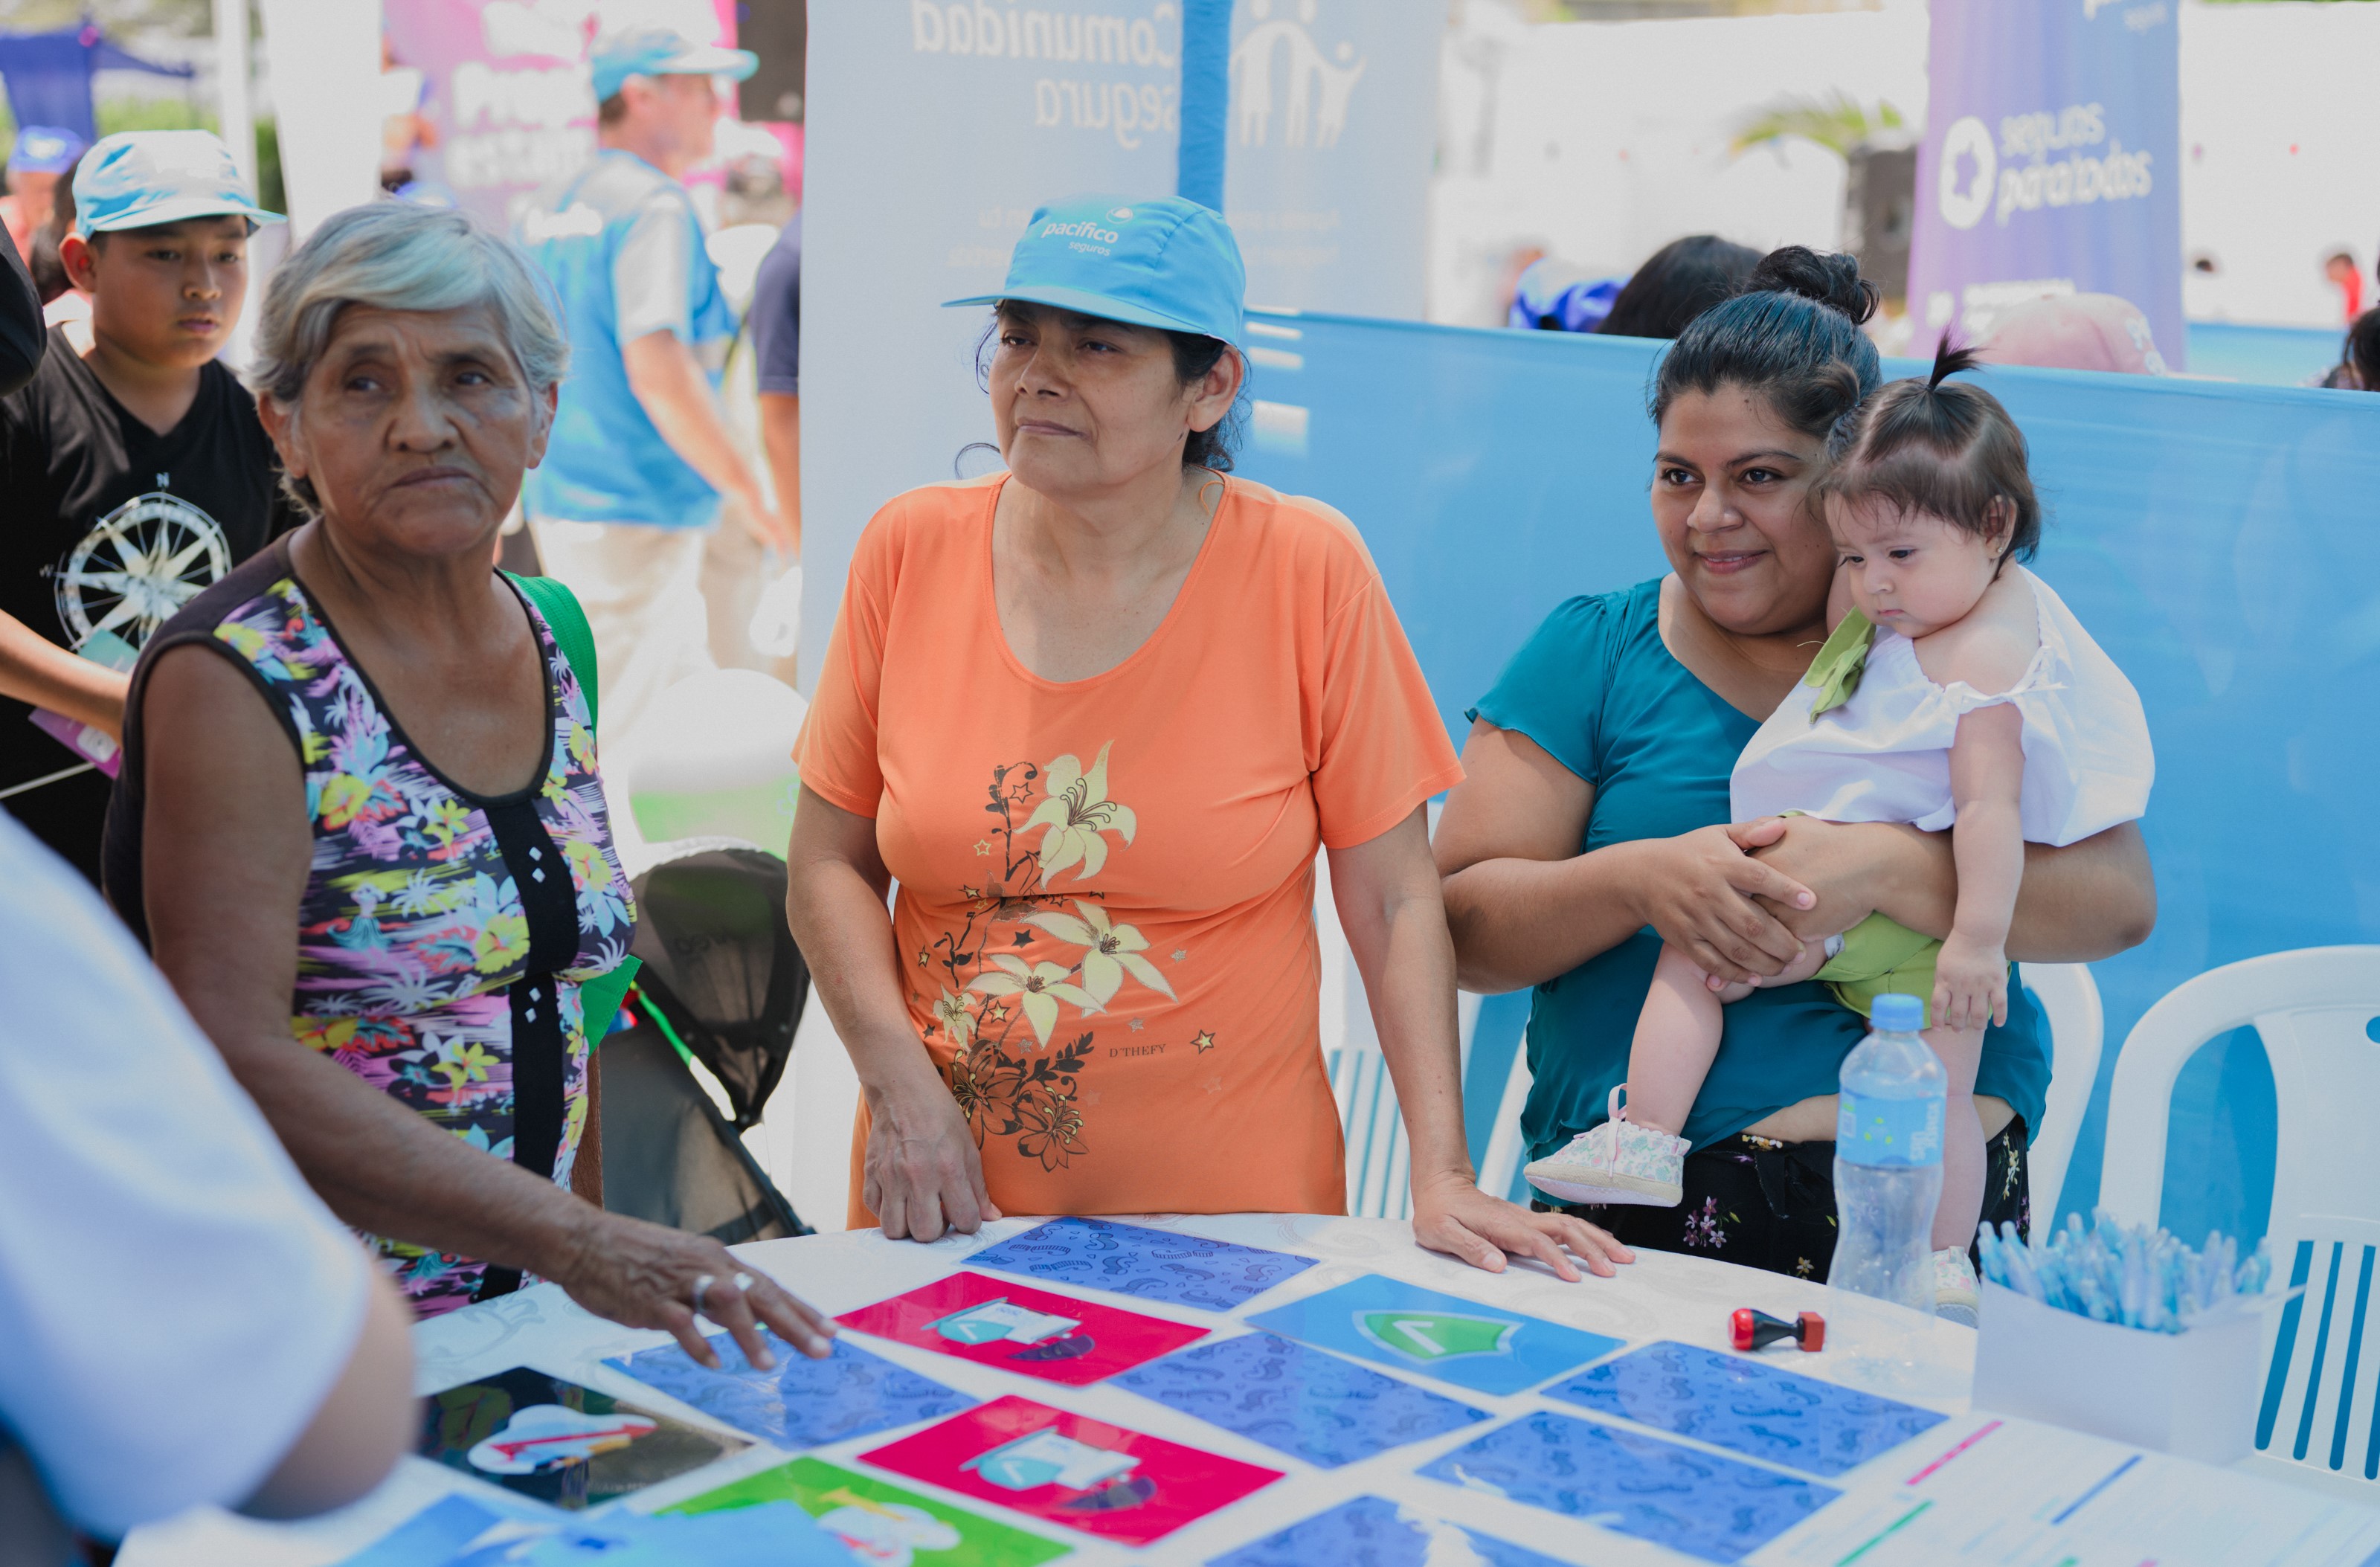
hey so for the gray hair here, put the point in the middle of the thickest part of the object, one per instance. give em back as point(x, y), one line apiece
point(397, 256)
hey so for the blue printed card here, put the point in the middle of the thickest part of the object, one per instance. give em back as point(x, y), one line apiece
point(802, 1402)
point(1745, 1406)
point(1302, 1402)
point(459, 1532)
point(1696, 1502)
point(1369, 1532)
point(1462, 1341)
point(1132, 1260)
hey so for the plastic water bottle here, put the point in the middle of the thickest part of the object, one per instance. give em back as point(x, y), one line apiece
point(1888, 1159)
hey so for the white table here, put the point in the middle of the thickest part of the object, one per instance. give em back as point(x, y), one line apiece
point(1660, 1296)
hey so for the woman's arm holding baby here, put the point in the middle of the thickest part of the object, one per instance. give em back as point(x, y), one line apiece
point(2092, 899)
point(1987, 850)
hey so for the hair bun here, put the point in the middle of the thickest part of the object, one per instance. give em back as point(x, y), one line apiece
point(1832, 280)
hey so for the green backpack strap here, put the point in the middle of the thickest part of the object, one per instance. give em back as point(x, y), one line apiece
point(559, 605)
point(601, 996)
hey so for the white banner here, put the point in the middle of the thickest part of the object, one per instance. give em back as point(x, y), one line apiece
point(932, 132)
point(935, 128)
point(323, 60)
point(1333, 124)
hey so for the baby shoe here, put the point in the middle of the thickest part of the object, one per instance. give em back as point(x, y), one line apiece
point(1616, 1162)
point(1955, 1290)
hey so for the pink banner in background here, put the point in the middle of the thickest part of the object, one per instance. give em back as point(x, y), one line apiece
point(503, 105)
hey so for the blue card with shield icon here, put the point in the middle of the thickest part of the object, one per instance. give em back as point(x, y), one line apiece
point(1464, 1341)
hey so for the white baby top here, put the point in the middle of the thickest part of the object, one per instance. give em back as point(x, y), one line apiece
point(1885, 754)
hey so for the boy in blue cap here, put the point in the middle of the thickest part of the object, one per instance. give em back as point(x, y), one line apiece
point(133, 471)
point(641, 453)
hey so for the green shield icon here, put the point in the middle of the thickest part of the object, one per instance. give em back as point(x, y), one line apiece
point(1427, 1336)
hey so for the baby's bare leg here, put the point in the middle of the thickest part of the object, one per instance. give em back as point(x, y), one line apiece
point(1961, 1208)
point(1678, 1034)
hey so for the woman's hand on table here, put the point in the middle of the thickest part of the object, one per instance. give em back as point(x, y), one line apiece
point(644, 1275)
point(1703, 889)
point(921, 1174)
point(1452, 1215)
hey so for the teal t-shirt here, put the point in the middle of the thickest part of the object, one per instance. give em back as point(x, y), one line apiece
point(1598, 689)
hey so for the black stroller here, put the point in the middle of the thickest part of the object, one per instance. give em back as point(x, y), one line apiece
point(724, 985)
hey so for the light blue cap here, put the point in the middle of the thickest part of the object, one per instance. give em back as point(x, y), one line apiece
point(44, 149)
point(657, 51)
point(141, 178)
point(1897, 1013)
point(1167, 262)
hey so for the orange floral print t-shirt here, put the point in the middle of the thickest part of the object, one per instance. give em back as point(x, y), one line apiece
point(1105, 917)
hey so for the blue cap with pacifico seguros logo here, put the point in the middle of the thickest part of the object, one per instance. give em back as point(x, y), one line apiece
point(657, 51)
point(1168, 263)
point(141, 178)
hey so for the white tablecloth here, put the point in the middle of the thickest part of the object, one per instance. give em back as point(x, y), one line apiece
point(1660, 1296)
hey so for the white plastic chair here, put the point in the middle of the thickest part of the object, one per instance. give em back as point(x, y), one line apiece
point(2078, 1026)
point(2068, 997)
point(1380, 1159)
point(2317, 1012)
point(1499, 1167)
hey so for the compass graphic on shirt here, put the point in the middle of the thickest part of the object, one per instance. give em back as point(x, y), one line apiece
point(138, 566)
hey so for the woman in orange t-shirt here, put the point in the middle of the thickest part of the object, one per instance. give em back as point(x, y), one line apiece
point(1097, 714)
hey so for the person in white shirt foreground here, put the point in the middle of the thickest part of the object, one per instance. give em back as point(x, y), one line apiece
point(181, 1319)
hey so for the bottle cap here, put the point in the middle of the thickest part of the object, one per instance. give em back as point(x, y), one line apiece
point(1899, 1014)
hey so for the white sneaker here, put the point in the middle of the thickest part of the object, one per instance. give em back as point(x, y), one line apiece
point(1956, 1293)
point(1616, 1162)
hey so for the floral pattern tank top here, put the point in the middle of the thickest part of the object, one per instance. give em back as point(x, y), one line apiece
point(442, 935)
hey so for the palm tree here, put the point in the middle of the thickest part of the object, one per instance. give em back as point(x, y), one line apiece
point(1837, 121)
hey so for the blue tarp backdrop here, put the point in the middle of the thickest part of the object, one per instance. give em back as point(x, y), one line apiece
point(48, 75)
point(2221, 542)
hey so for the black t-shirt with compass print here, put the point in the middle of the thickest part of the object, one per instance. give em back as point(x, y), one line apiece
point(106, 526)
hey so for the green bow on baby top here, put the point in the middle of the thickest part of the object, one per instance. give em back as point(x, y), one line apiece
point(1836, 671)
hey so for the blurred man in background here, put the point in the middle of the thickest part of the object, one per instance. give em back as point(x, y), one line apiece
point(42, 156)
point(2348, 279)
point(641, 453)
point(776, 322)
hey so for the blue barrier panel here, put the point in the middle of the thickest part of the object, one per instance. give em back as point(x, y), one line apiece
point(2221, 542)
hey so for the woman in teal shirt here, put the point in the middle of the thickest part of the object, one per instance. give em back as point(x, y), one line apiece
point(1592, 823)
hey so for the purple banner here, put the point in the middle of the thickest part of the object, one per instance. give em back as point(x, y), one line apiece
point(2051, 164)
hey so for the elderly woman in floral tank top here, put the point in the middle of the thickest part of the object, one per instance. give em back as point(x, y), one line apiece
point(360, 822)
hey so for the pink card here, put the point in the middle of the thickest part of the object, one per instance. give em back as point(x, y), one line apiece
point(1001, 1322)
point(1101, 1479)
point(92, 746)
